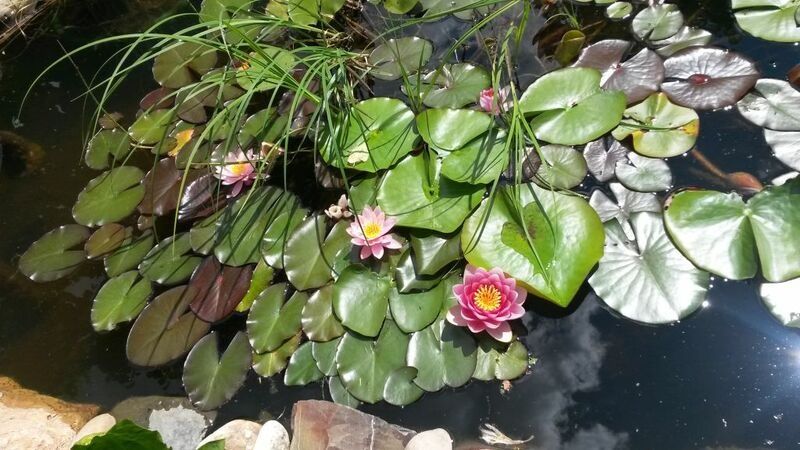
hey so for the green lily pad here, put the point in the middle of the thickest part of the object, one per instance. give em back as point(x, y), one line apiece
point(271, 321)
point(318, 320)
point(562, 167)
point(183, 64)
point(273, 244)
point(565, 231)
point(165, 330)
point(400, 389)
point(433, 251)
point(51, 257)
point(106, 239)
point(443, 355)
point(309, 12)
point(415, 311)
point(660, 129)
point(302, 368)
point(479, 162)
point(203, 234)
point(498, 361)
point(211, 380)
point(170, 262)
point(728, 237)
point(221, 10)
point(120, 299)
point(781, 301)
point(110, 197)
point(773, 20)
point(151, 126)
point(657, 22)
point(129, 254)
point(310, 253)
point(407, 279)
point(270, 363)
point(262, 277)
point(267, 69)
point(644, 174)
point(378, 133)
point(648, 279)
point(452, 129)
point(772, 104)
point(456, 7)
point(452, 86)
point(339, 393)
point(365, 364)
point(399, 57)
point(113, 144)
point(619, 10)
point(325, 356)
point(361, 299)
point(685, 37)
point(572, 108)
point(439, 204)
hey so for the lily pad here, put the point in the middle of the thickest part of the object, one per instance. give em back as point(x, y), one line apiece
point(110, 197)
point(781, 301)
point(325, 355)
point(263, 275)
point(210, 379)
point(786, 146)
point(452, 86)
point(685, 37)
point(183, 64)
point(302, 368)
point(106, 239)
point(562, 167)
point(151, 126)
point(637, 77)
point(498, 361)
point(271, 321)
point(309, 12)
point(361, 299)
point(129, 254)
point(659, 128)
point(165, 330)
point(170, 262)
point(339, 393)
point(452, 129)
point(724, 235)
point(619, 10)
point(407, 279)
point(648, 279)
point(572, 108)
point(478, 162)
point(120, 299)
point(644, 174)
point(433, 251)
point(602, 157)
point(365, 364)
point(416, 200)
point(708, 77)
point(399, 57)
point(217, 290)
point(415, 311)
point(270, 363)
point(657, 22)
point(400, 389)
point(318, 320)
point(772, 104)
point(773, 20)
point(113, 145)
point(54, 255)
point(444, 355)
point(565, 232)
point(162, 188)
point(377, 134)
point(267, 69)
point(310, 252)
point(627, 203)
point(221, 10)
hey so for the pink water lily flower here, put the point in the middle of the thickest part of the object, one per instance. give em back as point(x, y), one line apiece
point(238, 170)
point(487, 300)
point(494, 104)
point(370, 232)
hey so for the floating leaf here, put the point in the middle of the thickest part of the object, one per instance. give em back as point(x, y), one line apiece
point(657, 22)
point(432, 251)
point(627, 203)
point(459, 8)
point(151, 126)
point(443, 355)
point(452, 129)
point(302, 368)
point(399, 57)
point(786, 146)
point(478, 162)
point(773, 104)
point(360, 299)
point(602, 157)
point(106, 239)
point(262, 277)
point(452, 86)
point(570, 45)
point(644, 174)
point(413, 312)
point(270, 363)
point(773, 20)
point(377, 134)
point(408, 280)
point(51, 257)
point(319, 322)
point(310, 253)
point(781, 300)
point(171, 261)
point(721, 233)
point(439, 204)
point(562, 167)
point(565, 232)
point(648, 280)
point(619, 10)
point(211, 380)
point(200, 198)
point(267, 69)
point(183, 64)
point(365, 364)
point(120, 299)
point(129, 254)
point(339, 393)
point(110, 197)
point(400, 389)
point(638, 77)
point(309, 12)
point(203, 235)
point(165, 330)
point(123, 435)
point(684, 38)
point(708, 77)
point(162, 187)
point(572, 107)
point(659, 128)
point(221, 10)
point(216, 290)
point(325, 355)
point(271, 321)
point(498, 361)
point(107, 143)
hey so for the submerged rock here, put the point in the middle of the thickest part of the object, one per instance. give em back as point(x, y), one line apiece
point(272, 436)
point(139, 409)
point(437, 439)
point(98, 425)
point(180, 428)
point(320, 425)
point(238, 435)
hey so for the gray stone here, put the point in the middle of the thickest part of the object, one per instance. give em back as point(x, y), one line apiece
point(138, 409)
point(98, 425)
point(180, 428)
point(437, 439)
point(272, 436)
point(238, 435)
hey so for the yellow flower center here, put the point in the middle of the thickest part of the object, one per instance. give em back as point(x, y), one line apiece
point(372, 230)
point(239, 169)
point(487, 298)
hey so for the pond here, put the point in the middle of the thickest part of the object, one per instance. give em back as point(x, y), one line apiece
point(726, 375)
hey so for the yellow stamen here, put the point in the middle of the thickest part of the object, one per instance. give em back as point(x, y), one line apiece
point(487, 298)
point(239, 169)
point(372, 230)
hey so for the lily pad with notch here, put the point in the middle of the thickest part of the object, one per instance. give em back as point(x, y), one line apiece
point(659, 129)
point(498, 361)
point(451, 86)
point(398, 57)
point(217, 290)
point(361, 299)
point(55, 255)
point(271, 363)
point(786, 146)
point(657, 22)
point(183, 64)
point(479, 162)
point(110, 197)
point(271, 321)
point(311, 251)
point(627, 203)
point(773, 20)
point(561, 167)
point(451, 129)
point(171, 261)
point(120, 299)
point(107, 145)
point(106, 239)
point(643, 174)
point(319, 322)
point(602, 156)
point(781, 301)
point(212, 380)
point(443, 354)
point(772, 104)
point(129, 254)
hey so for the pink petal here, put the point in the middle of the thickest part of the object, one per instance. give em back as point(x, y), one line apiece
point(501, 333)
point(377, 250)
point(475, 326)
point(365, 252)
point(469, 271)
point(236, 189)
point(454, 317)
point(522, 295)
point(391, 242)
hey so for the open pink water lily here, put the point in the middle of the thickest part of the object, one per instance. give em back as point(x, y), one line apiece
point(370, 232)
point(238, 170)
point(494, 104)
point(487, 300)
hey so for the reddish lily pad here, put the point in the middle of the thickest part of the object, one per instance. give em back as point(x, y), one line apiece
point(216, 290)
point(638, 77)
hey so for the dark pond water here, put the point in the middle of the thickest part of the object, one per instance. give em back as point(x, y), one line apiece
point(728, 376)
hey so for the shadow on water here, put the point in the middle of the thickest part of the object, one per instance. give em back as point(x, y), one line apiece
point(727, 376)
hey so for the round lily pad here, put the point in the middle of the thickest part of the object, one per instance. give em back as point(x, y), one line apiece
point(129, 254)
point(602, 156)
point(110, 197)
point(659, 129)
point(773, 20)
point(644, 174)
point(451, 129)
point(267, 69)
point(619, 10)
point(443, 354)
point(270, 363)
point(781, 301)
point(318, 320)
point(120, 299)
point(786, 146)
point(302, 368)
point(183, 64)
point(398, 57)
point(107, 145)
point(171, 261)
point(452, 86)
point(271, 321)
point(562, 167)
point(361, 299)
point(106, 239)
point(772, 104)
point(151, 126)
point(310, 252)
point(657, 22)
point(210, 379)
point(216, 290)
point(480, 162)
point(400, 389)
point(627, 203)
point(54, 255)
point(685, 37)
point(498, 361)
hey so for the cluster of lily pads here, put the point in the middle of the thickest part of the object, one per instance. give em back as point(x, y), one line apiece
point(461, 203)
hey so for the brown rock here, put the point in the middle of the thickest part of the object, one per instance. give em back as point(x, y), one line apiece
point(12, 395)
point(319, 425)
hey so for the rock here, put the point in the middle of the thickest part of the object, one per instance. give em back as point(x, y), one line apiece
point(272, 436)
point(17, 9)
point(98, 425)
point(238, 435)
point(180, 428)
point(139, 409)
point(437, 439)
point(34, 421)
point(320, 425)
